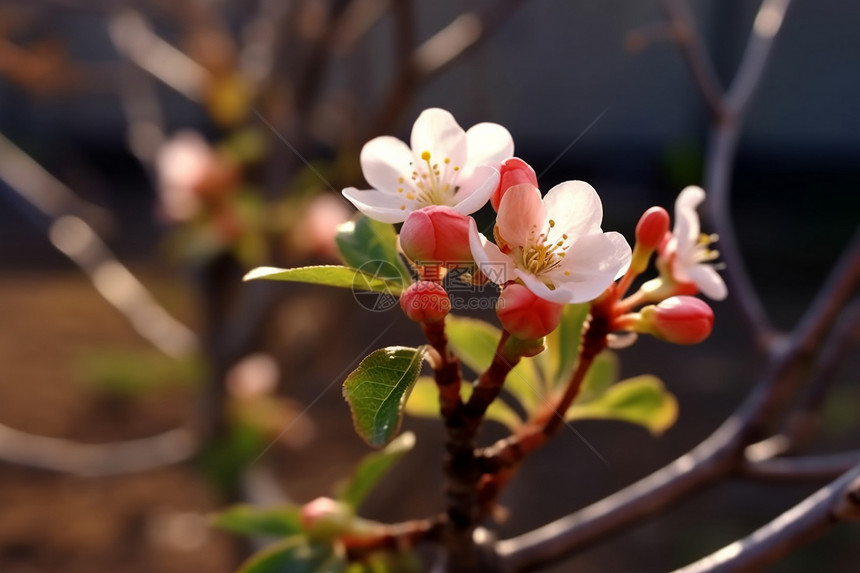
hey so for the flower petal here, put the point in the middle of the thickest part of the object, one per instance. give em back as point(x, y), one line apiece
point(521, 214)
point(475, 192)
point(438, 132)
point(497, 266)
point(384, 160)
point(687, 228)
point(488, 144)
point(378, 205)
point(575, 208)
point(538, 287)
point(592, 263)
point(709, 281)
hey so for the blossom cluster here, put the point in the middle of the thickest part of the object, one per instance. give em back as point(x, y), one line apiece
point(543, 250)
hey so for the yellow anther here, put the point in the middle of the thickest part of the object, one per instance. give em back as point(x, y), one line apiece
point(447, 160)
point(425, 156)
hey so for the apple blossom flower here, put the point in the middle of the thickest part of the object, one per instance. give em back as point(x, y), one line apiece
point(445, 166)
point(190, 175)
point(554, 245)
point(688, 251)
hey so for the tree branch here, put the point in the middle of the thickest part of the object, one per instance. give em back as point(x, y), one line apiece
point(806, 468)
point(722, 147)
point(839, 501)
point(694, 52)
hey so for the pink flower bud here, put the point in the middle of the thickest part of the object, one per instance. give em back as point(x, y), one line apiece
point(436, 234)
point(425, 301)
point(325, 517)
point(652, 228)
point(526, 315)
point(679, 319)
point(514, 171)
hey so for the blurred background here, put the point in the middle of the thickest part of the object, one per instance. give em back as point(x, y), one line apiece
point(152, 152)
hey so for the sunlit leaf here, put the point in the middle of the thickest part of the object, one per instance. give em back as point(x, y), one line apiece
point(365, 241)
point(294, 555)
point(331, 275)
point(475, 341)
point(642, 400)
point(424, 403)
point(282, 521)
point(372, 468)
point(377, 391)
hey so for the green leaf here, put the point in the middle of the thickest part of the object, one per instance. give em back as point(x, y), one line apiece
point(245, 519)
point(424, 403)
point(331, 275)
point(377, 391)
point(602, 374)
point(294, 555)
point(642, 400)
point(475, 341)
point(373, 468)
point(562, 345)
point(364, 242)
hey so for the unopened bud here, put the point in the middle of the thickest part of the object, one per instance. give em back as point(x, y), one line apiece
point(651, 232)
point(652, 228)
point(436, 234)
point(526, 315)
point(678, 319)
point(514, 171)
point(425, 301)
point(325, 517)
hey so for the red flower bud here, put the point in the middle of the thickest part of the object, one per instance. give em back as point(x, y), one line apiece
point(514, 171)
point(425, 301)
point(526, 315)
point(436, 234)
point(652, 228)
point(679, 319)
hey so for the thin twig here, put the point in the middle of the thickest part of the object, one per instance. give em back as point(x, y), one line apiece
point(720, 156)
point(839, 501)
point(806, 468)
point(694, 52)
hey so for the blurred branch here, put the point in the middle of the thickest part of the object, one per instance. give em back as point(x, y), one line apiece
point(146, 127)
point(42, 191)
point(722, 147)
point(803, 423)
point(134, 37)
point(806, 468)
point(75, 238)
point(839, 501)
point(681, 22)
point(441, 50)
point(92, 460)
